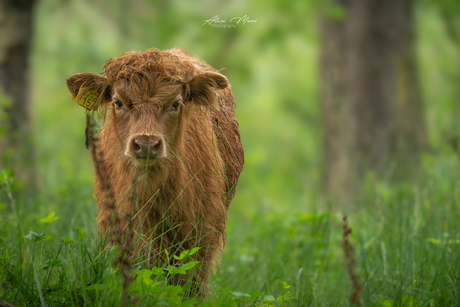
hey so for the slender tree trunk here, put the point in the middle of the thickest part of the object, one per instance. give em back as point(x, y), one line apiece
point(17, 150)
point(334, 111)
point(370, 74)
point(374, 117)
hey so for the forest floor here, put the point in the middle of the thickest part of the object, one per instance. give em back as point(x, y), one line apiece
point(405, 236)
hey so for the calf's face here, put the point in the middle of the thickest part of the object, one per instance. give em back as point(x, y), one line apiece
point(147, 122)
point(146, 116)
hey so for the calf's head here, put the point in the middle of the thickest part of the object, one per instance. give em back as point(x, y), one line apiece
point(146, 99)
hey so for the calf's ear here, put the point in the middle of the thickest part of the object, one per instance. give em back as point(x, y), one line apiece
point(202, 89)
point(87, 89)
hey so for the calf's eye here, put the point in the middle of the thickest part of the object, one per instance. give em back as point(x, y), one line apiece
point(118, 104)
point(175, 106)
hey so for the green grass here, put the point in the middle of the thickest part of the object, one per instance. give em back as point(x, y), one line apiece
point(406, 239)
point(283, 243)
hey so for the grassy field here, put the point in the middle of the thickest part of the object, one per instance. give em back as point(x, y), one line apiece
point(406, 240)
point(283, 243)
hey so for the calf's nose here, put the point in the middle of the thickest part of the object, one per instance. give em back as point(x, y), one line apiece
point(146, 146)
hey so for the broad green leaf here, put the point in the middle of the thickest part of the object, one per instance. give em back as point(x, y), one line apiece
point(174, 270)
point(187, 253)
point(189, 265)
point(50, 218)
point(157, 271)
point(145, 276)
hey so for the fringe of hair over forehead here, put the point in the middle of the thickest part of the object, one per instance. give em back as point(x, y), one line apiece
point(151, 64)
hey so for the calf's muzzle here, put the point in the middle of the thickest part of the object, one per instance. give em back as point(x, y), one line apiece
point(146, 146)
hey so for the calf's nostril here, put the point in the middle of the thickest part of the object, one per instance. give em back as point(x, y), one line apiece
point(136, 147)
point(156, 147)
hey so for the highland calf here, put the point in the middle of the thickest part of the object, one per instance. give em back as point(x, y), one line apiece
point(171, 151)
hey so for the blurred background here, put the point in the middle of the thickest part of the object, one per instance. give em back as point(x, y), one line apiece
point(330, 97)
point(334, 99)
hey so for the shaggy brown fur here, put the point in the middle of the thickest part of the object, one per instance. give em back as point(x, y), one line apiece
point(183, 194)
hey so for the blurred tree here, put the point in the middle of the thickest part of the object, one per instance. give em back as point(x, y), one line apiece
point(334, 111)
point(15, 39)
point(450, 12)
point(372, 111)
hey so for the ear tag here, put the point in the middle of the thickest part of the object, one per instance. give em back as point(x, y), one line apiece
point(87, 98)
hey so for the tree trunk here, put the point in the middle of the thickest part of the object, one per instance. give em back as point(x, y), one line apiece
point(334, 111)
point(375, 118)
point(17, 149)
point(370, 74)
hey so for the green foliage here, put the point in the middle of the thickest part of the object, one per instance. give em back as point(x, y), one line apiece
point(186, 253)
point(149, 285)
point(182, 269)
point(406, 241)
point(50, 218)
point(283, 243)
point(35, 237)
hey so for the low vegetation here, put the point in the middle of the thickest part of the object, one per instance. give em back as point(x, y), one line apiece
point(405, 238)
